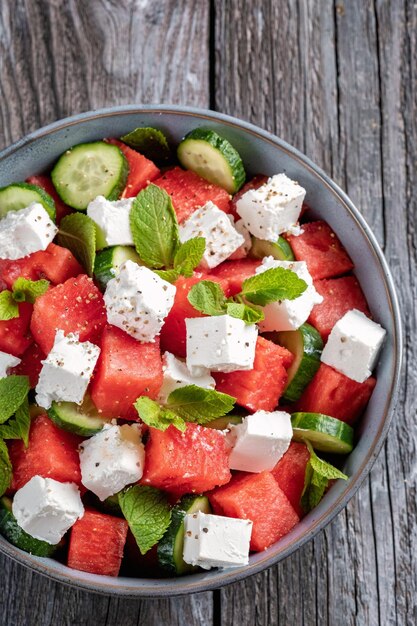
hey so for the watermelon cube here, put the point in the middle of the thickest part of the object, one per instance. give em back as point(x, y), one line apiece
point(255, 183)
point(259, 498)
point(97, 543)
point(233, 273)
point(321, 249)
point(30, 364)
point(46, 184)
point(290, 473)
point(334, 394)
point(126, 369)
point(51, 453)
point(340, 295)
point(190, 462)
point(142, 171)
point(189, 191)
point(15, 335)
point(75, 306)
point(261, 387)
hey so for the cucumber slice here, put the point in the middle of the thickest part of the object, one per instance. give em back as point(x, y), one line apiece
point(325, 433)
point(280, 250)
point(82, 420)
point(89, 170)
point(212, 157)
point(19, 195)
point(171, 546)
point(10, 529)
point(108, 262)
point(221, 423)
point(306, 344)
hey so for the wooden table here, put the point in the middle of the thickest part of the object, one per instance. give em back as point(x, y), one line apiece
point(338, 80)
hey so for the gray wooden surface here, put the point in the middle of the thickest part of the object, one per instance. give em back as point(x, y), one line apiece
point(339, 81)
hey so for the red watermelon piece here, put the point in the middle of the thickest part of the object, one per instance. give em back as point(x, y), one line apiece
point(30, 364)
point(97, 543)
point(51, 453)
point(44, 181)
point(126, 369)
point(334, 394)
point(75, 306)
point(15, 336)
point(189, 191)
point(259, 498)
point(190, 462)
point(340, 295)
point(256, 182)
point(322, 250)
point(259, 388)
point(142, 171)
point(290, 473)
point(235, 272)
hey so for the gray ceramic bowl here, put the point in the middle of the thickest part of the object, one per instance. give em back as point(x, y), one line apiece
point(261, 152)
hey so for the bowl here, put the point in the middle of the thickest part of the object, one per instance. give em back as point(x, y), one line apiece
point(265, 153)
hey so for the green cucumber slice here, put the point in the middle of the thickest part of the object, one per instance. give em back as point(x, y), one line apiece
point(81, 419)
point(108, 262)
point(150, 142)
point(89, 170)
point(325, 433)
point(11, 530)
point(306, 344)
point(280, 250)
point(212, 157)
point(171, 546)
point(19, 195)
point(221, 423)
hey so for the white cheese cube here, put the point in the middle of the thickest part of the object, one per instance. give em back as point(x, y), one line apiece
point(222, 238)
point(138, 301)
point(66, 370)
point(46, 508)
point(216, 541)
point(273, 208)
point(25, 231)
point(176, 375)
point(7, 361)
point(112, 459)
point(353, 345)
point(113, 221)
point(259, 441)
point(289, 314)
point(241, 252)
point(220, 343)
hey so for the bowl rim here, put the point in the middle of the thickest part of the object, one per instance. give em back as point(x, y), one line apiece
point(153, 588)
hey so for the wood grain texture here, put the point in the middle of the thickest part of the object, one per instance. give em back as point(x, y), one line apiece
point(339, 81)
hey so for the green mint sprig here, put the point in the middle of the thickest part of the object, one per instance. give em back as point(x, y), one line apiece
point(5, 468)
point(77, 233)
point(186, 404)
point(18, 427)
point(318, 474)
point(274, 284)
point(148, 513)
point(150, 142)
point(23, 290)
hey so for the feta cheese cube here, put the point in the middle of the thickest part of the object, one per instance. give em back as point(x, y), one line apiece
point(353, 345)
point(138, 301)
point(6, 362)
point(222, 238)
point(113, 221)
point(273, 208)
point(25, 231)
point(220, 343)
point(216, 541)
point(66, 370)
point(259, 441)
point(176, 375)
point(112, 459)
point(289, 314)
point(46, 508)
point(243, 250)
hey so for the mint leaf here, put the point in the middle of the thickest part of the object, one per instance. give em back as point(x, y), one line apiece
point(154, 227)
point(207, 297)
point(325, 469)
point(13, 392)
point(148, 514)
point(150, 142)
point(198, 405)
point(274, 284)
point(18, 427)
point(9, 309)
point(169, 275)
point(189, 255)
point(77, 233)
point(5, 468)
point(249, 314)
point(317, 476)
point(25, 290)
point(156, 416)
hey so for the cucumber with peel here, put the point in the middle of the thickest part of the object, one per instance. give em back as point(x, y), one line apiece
point(280, 249)
point(11, 530)
point(108, 262)
point(20, 195)
point(325, 433)
point(81, 419)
